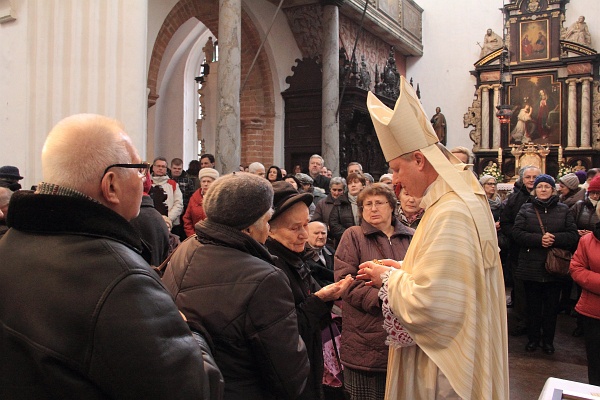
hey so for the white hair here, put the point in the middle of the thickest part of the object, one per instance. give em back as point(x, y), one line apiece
point(319, 157)
point(80, 147)
point(255, 167)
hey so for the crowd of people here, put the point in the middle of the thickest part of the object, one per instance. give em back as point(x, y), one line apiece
point(297, 285)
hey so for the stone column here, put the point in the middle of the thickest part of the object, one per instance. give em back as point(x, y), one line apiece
point(496, 123)
point(330, 132)
point(585, 112)
point(485, 118)
point(228, 140)
point(572, 115)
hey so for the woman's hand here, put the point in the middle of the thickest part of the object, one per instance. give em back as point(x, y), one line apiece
point(334, 291)
point(371, 272)
point(547, 239)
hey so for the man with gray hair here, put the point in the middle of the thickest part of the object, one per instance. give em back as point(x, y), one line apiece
point(88, 318)
point(257, 168)
point(315, 164)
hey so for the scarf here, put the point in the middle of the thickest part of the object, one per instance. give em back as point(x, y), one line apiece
point(495, 203)
point(355, 212)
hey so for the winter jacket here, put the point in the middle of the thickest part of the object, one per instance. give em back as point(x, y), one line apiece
point(226, 280)
point(584, 213)
point(174, 200)
point(511, 208)
point(341, 217)
point(573, 197)
point(82, 315)
point(585, 271)
point(527, 231)
point(363, 337)
point(313, 313)
point(193, 213)
point(153, 231)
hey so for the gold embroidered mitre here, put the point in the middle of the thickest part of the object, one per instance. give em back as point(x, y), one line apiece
point(404, 129)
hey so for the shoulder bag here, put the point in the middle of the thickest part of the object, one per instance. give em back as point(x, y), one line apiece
point(557, 260)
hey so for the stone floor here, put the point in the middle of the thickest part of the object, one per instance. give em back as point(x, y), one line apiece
point(529, 371)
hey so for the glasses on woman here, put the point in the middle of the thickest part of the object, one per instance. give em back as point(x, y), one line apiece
point(142, 168)
point(491, 184)
point(377, 204)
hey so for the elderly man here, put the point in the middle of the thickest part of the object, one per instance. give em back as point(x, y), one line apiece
point(448, 293)
point(315, 165)
point(253, 323)
point(169, 200)
point(354, 168)
point(257, 168)
point(88, 318)
point(319, 254)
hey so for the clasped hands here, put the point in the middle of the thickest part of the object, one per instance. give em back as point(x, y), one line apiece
point(371, 272)
point(547, 239)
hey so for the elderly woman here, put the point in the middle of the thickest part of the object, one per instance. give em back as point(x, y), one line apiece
point(226, 281)
point(363, 351)
point(287, 236)
point(542, 289)
point(408, 212)
point(195, 211)
point(490, 187)
point(570, 192)
point(346, 213)
point(387, 179)
point(585, 271)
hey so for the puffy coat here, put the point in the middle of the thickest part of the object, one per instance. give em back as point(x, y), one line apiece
point(511, 208)
point(226, 280)
point(363, 337)
point(527, 231)
point(573, 197)
point(585, 215)
point(341, 217)
point(82, 315)
point(585, 271)
point(193, 213)
point(313, 313)
point(323, 210)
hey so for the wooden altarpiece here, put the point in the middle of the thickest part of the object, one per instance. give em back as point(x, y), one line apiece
point(551, 86)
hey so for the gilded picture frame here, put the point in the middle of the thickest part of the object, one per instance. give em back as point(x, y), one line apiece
point(534, 40)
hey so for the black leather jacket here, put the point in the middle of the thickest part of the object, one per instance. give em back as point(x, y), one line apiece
point(82, 315)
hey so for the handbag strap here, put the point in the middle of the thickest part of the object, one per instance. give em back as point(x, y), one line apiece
point(160, 270)
point(540, 219)
point(335, 348)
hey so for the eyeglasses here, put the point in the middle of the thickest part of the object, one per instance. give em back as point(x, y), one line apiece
point(377, 205)
point(142, 168)
point(491, 184)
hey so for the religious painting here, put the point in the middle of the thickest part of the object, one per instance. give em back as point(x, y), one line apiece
point(534, 44)
point(536, 110)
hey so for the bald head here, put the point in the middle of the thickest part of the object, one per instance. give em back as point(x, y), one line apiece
point(317, 234)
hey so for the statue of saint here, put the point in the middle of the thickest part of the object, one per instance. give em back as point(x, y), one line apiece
point(209, 50)
point(579, 33)
point(491, 43)
point(438, 121)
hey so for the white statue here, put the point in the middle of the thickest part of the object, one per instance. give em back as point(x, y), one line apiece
point(579, 33)
point(491, 42)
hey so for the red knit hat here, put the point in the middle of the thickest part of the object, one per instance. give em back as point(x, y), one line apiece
point(594, 184)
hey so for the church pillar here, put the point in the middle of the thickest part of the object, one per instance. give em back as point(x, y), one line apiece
point(496, 123)
point(572, 115)
point(485, 118)
point(330, 138)
point(585, 113)
point(228, 140)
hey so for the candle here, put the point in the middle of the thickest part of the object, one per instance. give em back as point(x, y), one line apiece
point(499, 155)
point(560, 156)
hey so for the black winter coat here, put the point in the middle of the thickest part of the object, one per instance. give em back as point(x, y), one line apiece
point(341, 217)
point(154, 232)
point(527, 231)
point(585, 215)
point(226, 281)
point(313, 313)
point(511, 208)
point(82, 315)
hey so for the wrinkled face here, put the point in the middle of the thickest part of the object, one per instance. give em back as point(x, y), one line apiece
point(205, 183)
point(205, 163)
point(260, 172)
point(355, 187)
point(159, 168)
point(354, 169)
point(176, 170)
point(317, 234)
point(377, 210)
point(315, 165)
point(529, 176)
point(272, 175)
point(133, 188)
point(336, 190)
point(290, 228)
point(490, 187)
point(543, 191)
point(292, 182)
point(409, 204)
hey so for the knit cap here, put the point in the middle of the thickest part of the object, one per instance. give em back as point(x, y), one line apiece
point(582, 175)
point(208, 173)
point(238, 200)
point(544, 178)
point(484, 178)
point(304, 179)
point(570, 180)
point(594, 185)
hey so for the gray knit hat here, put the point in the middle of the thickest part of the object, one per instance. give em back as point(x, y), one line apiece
point(570, 180)
point(484, 178)
point(238, 200)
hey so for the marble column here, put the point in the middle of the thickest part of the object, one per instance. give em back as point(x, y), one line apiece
point(228, 140)
point(330, 137)
point(585, 113)
point(572, 115)
point(496, 123)
point(485, 118)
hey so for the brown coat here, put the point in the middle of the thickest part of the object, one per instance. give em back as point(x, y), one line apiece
point(363, 337)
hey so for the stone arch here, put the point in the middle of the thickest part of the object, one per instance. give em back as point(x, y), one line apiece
point(257, 105)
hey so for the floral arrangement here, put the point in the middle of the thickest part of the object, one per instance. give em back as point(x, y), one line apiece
point(493, 170)
point(563, 170)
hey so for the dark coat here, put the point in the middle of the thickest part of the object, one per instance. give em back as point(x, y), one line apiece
point(363, 337)
point(511, 208)
point(573, 197)
point(323, 210)
point(323, 273)
point(313, 313)
point(527, 231)
point(341, 217)
point(226, 280)
point(321, 181)
point(154, 232)
point(585, 214)
point(88, 318)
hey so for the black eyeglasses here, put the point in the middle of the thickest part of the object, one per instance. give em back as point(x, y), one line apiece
point(142, 168)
